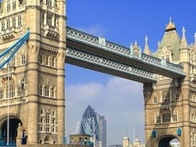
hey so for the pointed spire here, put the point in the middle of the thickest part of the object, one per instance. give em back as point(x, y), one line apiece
point(158, 44)
point(171, 26)
point(195, 40)
point(184, 43)
point(146, 47)
point(135, 45)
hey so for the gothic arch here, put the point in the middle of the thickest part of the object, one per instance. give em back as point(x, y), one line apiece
point(48, 139)
point(14, 122)
point(164, 141)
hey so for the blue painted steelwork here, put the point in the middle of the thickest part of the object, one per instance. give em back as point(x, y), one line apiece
point(159, 66)
point(11, 51)
point(108, 66)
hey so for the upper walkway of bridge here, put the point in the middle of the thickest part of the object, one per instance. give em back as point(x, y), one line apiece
point(100, 47)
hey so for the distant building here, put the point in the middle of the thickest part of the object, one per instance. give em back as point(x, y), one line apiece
point(136, 142)
point(102, 130)
point(80, 139)
point(94, 125)
point(116, 145)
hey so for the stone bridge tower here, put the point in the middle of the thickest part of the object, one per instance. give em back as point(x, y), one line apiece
point(36, 73)
point(170, 103)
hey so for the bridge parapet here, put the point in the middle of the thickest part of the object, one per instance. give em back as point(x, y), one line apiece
point(143, 76)
point(163, 63)
point(96, 41)
point(157, 65)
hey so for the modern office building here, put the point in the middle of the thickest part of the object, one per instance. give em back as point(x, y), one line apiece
point(94, 125)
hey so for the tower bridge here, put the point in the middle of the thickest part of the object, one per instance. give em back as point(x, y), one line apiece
point(32, 86)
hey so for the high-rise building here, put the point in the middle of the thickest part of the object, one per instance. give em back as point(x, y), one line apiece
point(102, 130)
point(94, 125)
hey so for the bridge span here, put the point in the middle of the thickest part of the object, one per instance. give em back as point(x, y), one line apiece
point(111, 58)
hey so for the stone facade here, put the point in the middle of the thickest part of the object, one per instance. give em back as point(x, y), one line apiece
point(36, 73)
point(35, 86)
point(170, 103)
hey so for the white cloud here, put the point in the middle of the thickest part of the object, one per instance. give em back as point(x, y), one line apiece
point(97, 30)
point(120, 101)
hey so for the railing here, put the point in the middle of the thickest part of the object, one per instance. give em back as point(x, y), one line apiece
point(11, 51)
point(109, 64)
point(123, 51)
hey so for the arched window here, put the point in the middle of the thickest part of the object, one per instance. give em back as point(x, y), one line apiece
point(53, 113)
point(47, 91)
point(47, 119)
point(51, 91)
point(40, 90)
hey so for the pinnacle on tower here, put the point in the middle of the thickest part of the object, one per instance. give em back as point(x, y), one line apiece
point(184, 43)
point(195, 40)
point(146, 47)
point(171, 26)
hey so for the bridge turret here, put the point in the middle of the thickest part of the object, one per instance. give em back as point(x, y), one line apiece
point(185, 54)
point(185, 88)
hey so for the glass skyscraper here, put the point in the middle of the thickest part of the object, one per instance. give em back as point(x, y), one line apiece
point(94, 125)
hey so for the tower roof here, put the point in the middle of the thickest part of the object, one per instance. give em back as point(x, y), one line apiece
point(170, 26)
point(171, 41)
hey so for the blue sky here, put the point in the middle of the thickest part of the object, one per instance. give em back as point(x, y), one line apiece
point(120, 101)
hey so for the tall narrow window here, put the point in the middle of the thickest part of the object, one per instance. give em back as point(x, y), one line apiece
point(8, 7)
point(52, 61)
point(23, 60)
point(40, 90)
point(42, 17)
point(14, 5)
point(3, 26)
point(19, 21)
point(14, 22)
point(49, 19)
point(47, 91)
point(8, 24)
point(47, 119)
point(1, 93)
point(10, 90)
point(51, 92)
